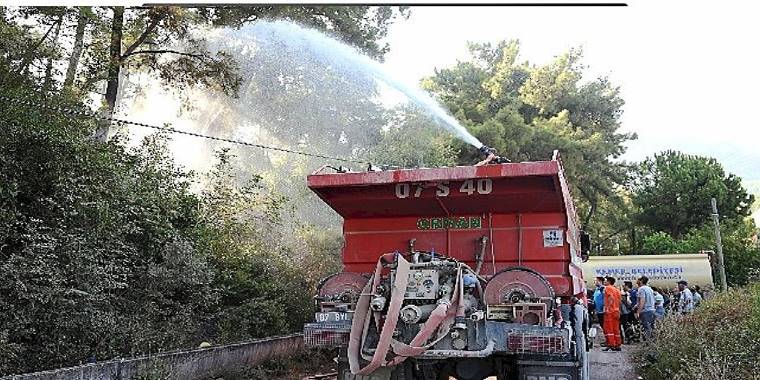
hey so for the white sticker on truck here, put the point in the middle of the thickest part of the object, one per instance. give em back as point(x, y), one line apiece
point(554, 238)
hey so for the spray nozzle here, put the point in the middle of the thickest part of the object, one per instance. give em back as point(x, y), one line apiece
point(487, 151)
point(339, 169)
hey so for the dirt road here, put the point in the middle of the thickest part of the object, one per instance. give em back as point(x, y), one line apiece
point(612, 365)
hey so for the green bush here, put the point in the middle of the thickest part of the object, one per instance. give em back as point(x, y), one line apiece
point(720, 340)
point(105, 251)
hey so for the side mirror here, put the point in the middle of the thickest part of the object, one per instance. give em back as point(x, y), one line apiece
point(585, 246)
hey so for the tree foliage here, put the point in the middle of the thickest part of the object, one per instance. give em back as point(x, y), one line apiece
point(97, 245)
point(164, 41)
point(411, 141)
point(670, 212)
point(360, 26)
point(740, 250)
point(672, 191)
point(102, 247)
point(527, 111)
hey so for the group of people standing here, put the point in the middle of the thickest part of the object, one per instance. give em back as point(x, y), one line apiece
point(620, 311)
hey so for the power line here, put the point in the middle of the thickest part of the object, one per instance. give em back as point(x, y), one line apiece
point(69, 111)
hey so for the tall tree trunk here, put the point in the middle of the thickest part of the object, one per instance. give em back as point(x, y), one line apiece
point(634, 242)
point(47, 84)
point(29, 56)
point(589, 215)
point(592, 207)
point(114, 67)
point(76, 53)
point(114, 64)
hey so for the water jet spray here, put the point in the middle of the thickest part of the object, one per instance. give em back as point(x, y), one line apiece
point(285, 37)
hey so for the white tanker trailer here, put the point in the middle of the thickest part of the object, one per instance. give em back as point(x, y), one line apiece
point(663, 270)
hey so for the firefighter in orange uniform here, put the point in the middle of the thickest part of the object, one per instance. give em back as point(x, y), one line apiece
point(611, 326)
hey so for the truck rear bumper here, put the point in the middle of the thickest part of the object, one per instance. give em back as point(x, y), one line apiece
point(443, 354)
point(546, 371)
point(547, 363)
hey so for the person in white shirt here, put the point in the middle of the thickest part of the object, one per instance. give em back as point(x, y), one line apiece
point(646, 306)
point(697, 296)
point(685, 299)
point(659, 304)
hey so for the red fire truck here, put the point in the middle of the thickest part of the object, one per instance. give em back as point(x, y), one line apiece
point(467, 272)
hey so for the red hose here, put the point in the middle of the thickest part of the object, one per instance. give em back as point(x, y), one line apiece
point(441, 319)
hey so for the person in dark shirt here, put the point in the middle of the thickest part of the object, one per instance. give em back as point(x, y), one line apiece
point(667, 298)
point(633, 296)
point(628, 313)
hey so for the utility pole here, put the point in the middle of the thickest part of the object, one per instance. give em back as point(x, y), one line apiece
point(719, 246)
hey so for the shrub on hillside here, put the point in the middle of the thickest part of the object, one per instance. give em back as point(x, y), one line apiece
point(105, 251)
point(720, 340)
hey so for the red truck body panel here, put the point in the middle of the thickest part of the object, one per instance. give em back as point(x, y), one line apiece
point(448, 210)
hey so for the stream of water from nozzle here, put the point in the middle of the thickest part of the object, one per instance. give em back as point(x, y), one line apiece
point(350, 61)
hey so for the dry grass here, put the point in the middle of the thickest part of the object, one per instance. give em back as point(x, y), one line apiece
point(296, 367)
point(719, 341)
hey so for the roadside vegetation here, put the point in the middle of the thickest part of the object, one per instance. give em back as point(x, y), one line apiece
point(107, 252)
point(305, 362)
point(719, 341)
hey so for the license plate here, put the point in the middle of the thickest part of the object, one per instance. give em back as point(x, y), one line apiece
point(333, 316)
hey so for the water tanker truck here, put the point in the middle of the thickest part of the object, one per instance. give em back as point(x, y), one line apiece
point(663, 271)
point(467, 272)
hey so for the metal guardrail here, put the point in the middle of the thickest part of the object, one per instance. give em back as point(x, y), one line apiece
point(198, 363)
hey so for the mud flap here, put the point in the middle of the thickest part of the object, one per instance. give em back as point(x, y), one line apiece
point(580, 329)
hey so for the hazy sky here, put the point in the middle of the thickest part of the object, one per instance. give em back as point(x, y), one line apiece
point(688, 70)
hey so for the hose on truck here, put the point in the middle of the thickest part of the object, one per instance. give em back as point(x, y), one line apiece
point(441, 320)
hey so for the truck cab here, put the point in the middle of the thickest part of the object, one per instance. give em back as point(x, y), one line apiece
point(467, 272)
